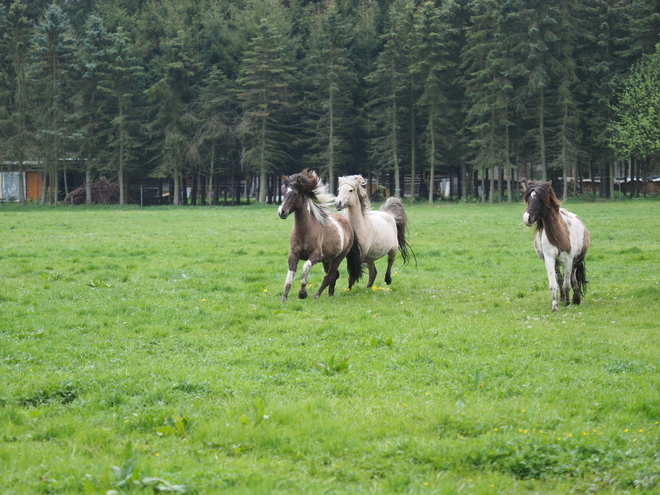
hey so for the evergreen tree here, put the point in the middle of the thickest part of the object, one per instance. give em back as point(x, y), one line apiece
point(54, 48)
point(119, 82)
point(215, 140)
point(265, 80)
point(171, 123)
point(16, 42)
point(531, 40)
point(566, 142)
point(387, 113)
point(330, 101)
point(488, 93)
point(92, 130)
point(431, 65)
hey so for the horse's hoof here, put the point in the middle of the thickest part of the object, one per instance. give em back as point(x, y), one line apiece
point(302, 295)
point(388, 280)
point(283, 299)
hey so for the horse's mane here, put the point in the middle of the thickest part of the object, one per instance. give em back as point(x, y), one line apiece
point(311, 185)
point(546, 195)
point(358, 183)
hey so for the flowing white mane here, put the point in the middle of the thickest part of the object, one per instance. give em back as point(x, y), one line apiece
point(358, 183)
point(319, 202)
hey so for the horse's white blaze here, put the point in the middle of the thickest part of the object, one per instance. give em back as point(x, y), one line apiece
point(342, 235)
point(533, 195)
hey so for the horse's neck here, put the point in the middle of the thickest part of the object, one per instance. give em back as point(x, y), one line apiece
point(304, 216)
point(357, 217)
point(556, 229)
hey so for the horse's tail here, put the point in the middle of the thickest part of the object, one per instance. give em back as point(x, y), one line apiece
point(581, 277)
point(354, 260)
point(394, 207)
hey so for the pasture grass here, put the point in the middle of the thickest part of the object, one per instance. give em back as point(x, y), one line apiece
point(147, 350)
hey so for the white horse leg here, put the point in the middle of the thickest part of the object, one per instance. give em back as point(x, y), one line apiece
point(289, 281)
point(391, 256)
point(302, 294)
point(566, 285)
point(552, 280)
point(372, 273)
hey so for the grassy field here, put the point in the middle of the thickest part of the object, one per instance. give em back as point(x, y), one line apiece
point(147, 350)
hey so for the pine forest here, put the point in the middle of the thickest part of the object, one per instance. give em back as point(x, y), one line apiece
point(213, 101)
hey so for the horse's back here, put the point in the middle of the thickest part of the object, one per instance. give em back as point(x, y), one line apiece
point(578, 233)
point(383, 235)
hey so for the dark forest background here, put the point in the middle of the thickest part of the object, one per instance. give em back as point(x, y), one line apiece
point(209, 95)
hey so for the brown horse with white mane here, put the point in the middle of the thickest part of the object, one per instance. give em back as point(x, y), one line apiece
point(318, 235)
point(561, 240)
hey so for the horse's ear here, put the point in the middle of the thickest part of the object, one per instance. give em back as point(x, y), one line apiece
point(299, 179)
point(549, 183)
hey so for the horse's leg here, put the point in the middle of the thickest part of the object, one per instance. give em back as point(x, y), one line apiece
point(560, 285)
point(330, 279)
point(302, 294)
point(566, 283)
point(577, 296)
point(552, 280)
point(293, 265)
point(391, 256)
point(372, 273)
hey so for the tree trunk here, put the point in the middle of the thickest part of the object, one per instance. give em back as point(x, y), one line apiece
point(431, 164)
point(544, 172)
point(395, 145)
point(88, 185)
point(21, 183)
point(176, 196)
point(262, 165)
point(413, 156)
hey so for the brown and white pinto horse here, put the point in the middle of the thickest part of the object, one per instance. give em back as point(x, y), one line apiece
point(561, 240)
point(318, 235)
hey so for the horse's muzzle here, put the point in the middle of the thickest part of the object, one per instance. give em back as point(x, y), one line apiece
point(339, 205)
point(528, 219)
point(283, 214)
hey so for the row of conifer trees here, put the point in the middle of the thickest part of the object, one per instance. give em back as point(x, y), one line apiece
point(212, 91)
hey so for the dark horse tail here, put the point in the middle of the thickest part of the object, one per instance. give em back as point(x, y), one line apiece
point(581, 277)
point(394, 207)
point(354, 262)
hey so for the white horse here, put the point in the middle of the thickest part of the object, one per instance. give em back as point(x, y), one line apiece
point(561, 240)
point(379, 233)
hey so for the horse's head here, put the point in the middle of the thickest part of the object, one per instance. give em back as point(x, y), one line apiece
point(351, 192)
point(540, 199)
point(294, 189)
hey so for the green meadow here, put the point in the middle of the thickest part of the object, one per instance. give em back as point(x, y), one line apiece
point(147, 351)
